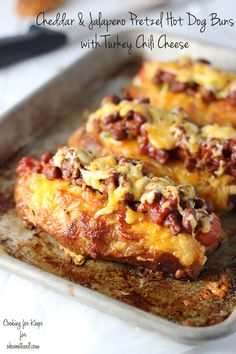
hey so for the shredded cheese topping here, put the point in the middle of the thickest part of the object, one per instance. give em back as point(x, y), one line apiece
point(133, 179)
point(164, 129)
point(222, 83)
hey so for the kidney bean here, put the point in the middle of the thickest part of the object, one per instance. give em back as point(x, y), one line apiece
point(192, 87)
point(162, 76)
point(173, 222)
point(111, 118)
point(133, 127)
point(46, 157)
point(118, 131)
point(133, 123)
point(68, 170)
point(178, 87)
point(111, 99)
point(157, 77)
point(145, 148)
point(127, 95)
point(52, 172)
point(167, 77)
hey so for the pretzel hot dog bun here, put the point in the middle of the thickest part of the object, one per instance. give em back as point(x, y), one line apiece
point(114, 208)
point(169, 144)
point(207, 94)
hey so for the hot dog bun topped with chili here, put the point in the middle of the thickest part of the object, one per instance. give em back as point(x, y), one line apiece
point(107, 207)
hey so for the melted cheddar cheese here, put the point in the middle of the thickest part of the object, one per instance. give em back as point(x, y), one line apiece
point(217, 132)
point(222, 83)
point(61, 202)
point(217, 189)
point(132, 180)
point(211, 101)
point(164, 128)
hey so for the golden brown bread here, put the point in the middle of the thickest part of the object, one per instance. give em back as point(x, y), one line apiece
point(109, 208)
